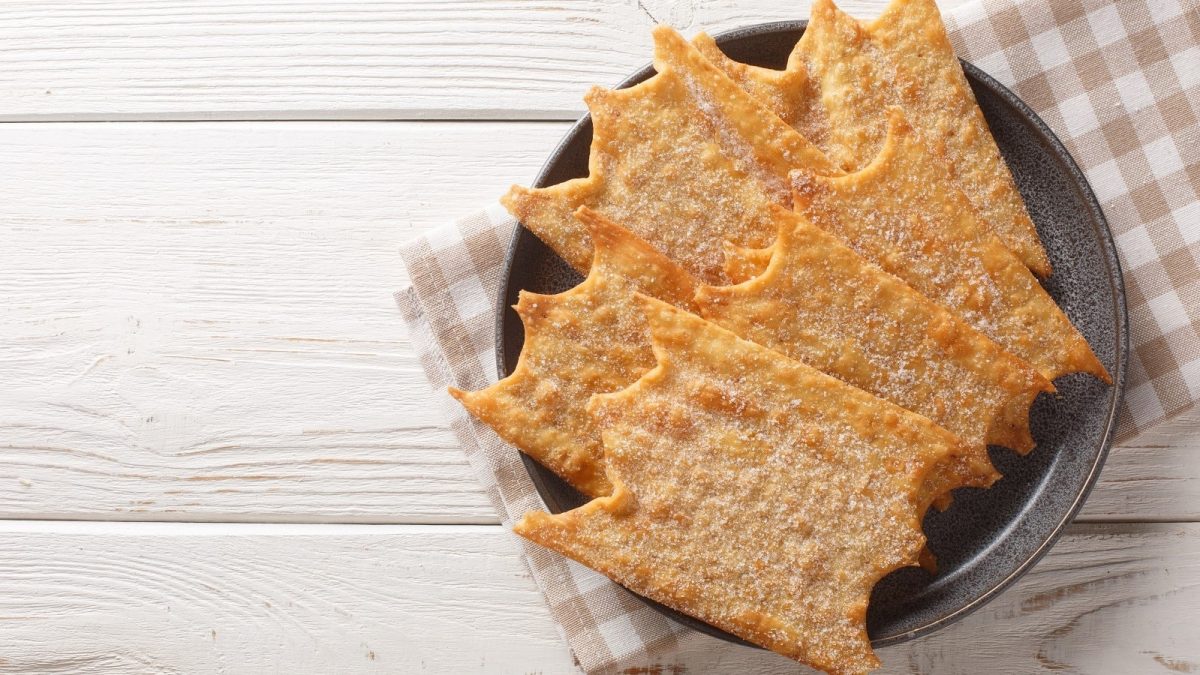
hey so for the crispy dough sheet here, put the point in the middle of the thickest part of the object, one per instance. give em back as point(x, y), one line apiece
point(903, 213)
point(819, 302)
point(586, 340)
point(842, 75)
point(590, 339)
point(752, 492)
point(1011, 426)
point(685, 160)
point(743, 263)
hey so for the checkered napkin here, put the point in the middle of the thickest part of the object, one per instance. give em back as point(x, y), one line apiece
point(1120, 85)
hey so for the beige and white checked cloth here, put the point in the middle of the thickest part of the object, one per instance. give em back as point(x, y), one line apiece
point(1119, 82)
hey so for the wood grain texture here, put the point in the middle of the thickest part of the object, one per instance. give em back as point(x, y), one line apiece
point(198, 317)
point(199, 325)
point(172, 598)
point(1154, 476)
point(324, 59)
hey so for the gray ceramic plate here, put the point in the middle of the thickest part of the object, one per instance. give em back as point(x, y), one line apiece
point(988, 538)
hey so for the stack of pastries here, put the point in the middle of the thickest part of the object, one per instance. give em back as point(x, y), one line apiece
point(811, 303)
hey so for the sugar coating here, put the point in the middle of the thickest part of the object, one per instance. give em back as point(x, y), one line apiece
point(684, 160)
point(752, 492)
point(819, 302)
point(589, 339)
point(842, 75)
point(904, 213)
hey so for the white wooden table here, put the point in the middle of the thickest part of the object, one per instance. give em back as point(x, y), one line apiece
point(217, 450)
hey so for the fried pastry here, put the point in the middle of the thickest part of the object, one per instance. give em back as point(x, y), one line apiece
point(743, 263)
point(685, 160)
point(903, 213)
point(589, 339)
point(752, 492)
point(819, 302)
point(842, 75)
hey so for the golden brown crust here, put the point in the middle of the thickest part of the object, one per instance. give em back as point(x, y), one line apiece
point(821, 303)
point(753, 492)
point(1010, 428)
point(685, 160)
point(789, 93)
point(743, 263)
point(587, 340)
point(933, 87)
point(844, 73)
point(903, 213)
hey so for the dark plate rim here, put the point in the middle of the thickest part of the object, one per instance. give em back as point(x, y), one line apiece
point(1103, 235)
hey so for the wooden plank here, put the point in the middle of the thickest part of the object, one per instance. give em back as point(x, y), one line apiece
point(1154, 476)
point(394, 179)
point(199, 317)
point(322, 59)
point(198, 325)
point(176, 598)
